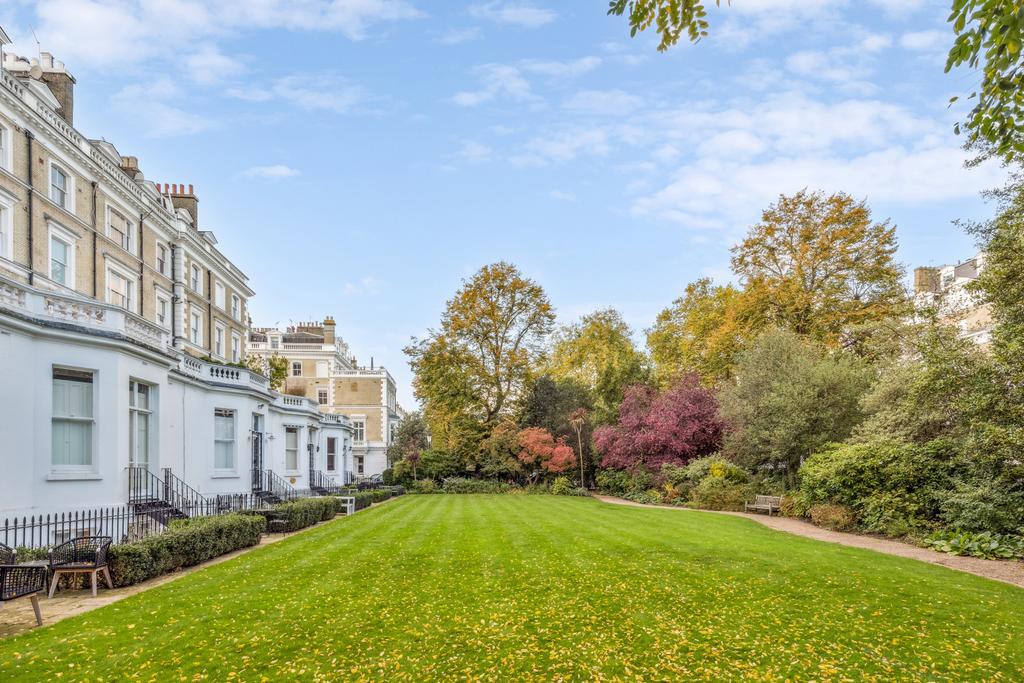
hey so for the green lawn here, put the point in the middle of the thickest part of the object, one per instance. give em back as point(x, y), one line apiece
point(545, 588)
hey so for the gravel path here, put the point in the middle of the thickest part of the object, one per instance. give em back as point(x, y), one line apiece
point(1008, 571)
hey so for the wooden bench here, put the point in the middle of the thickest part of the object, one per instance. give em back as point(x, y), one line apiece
point(21, 580)
point(85, 555)
point(764, 504)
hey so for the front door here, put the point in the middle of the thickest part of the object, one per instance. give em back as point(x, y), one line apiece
point(257, 452)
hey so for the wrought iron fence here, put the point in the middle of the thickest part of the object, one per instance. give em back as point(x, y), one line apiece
point(122, 523)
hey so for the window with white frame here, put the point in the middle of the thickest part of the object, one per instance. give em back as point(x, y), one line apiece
point(236, 348)
point(218, 340)
point(236, 307)
point(332, 453)
point(73, 421)
point(6, 226)
point(218, 295)
point(195, 329)
point(275, 342)
point(163, 310)
point(359, 464)
point(321, 396)
point(196, 280)
point(62, 256)
point(359, 430)
point(223, 439)
point(62, 189)
point(119, 229)
point(6, 141)
point(291, 449)
point(161, 259)
point(296, 368)
point(140, 411)
point(120, 288)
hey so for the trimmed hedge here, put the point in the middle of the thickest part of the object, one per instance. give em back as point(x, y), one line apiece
point(185, 543)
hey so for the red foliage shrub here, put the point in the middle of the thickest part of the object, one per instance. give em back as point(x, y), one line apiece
point(540, 449)
point(676, 426)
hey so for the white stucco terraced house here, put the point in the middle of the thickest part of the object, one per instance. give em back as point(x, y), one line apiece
point(121, 329)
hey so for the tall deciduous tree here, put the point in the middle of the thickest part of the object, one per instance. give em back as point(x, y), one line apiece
point(411, 437)
point(598, 351)
point(819, 265)
point(676, 426)
point(702, 331)
point(471, 371)
point(551, 404)
point(789, 398)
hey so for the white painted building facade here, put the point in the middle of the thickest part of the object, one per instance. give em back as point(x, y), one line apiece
point(121, 328)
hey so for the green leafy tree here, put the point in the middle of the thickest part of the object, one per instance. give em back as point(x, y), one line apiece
point(1001, 281)
point(790, 397)
point(671, 18)
point(411, 437)
point(989, 35)
point(274, 368)
point(818, 265)
point(472, 370)
point(702, 331)
point(598, 352)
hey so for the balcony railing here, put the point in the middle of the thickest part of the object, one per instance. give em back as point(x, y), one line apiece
point(222, 374)
point(74, 309)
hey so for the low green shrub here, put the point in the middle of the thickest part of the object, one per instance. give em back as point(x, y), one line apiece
point(363, 499)
point(380, 495)
point(621, 482)
point(984, 544)
point(712, 466)
point(464, 485)
point(720, 493)
point(834, 517)
point(648, 497)
point(892, 514)
point(984, 506)
point(424, 486)
point(561, 486)
point(185, 543)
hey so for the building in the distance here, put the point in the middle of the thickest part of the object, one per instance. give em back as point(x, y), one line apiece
point(322, 368)
point(122, 328)
point(947, 290)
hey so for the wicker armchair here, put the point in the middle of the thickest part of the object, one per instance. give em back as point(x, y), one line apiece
point(21, 580)
point(87, 555)
point(8, 555)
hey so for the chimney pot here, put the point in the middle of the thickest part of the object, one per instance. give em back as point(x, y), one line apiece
point(190, 190)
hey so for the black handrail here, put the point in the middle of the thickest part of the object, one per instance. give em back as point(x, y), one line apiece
point(273, 483)
point(180, 495)
point(323, 482)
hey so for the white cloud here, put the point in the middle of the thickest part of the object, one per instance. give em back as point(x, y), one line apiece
point(562, 196)
point(510, 81)
point(736, 161)
point(474, 152)
point(562, 146)
point(603, 102)
point(129, 33)
point(496, 80)
point(274, 171)
point(208, 66)
point(847, 66)
point(365, 286)
point(556, 69)
point(324, 92)
point(925, 40)
point(458, 36)
point(514, 13)
point(151, 104)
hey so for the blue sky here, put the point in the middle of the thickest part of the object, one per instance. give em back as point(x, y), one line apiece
point(360, 157)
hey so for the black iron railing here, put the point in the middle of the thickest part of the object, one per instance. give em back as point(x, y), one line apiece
point(323, 483)
point(122, 523)
point(273, 485)
point(180, 495)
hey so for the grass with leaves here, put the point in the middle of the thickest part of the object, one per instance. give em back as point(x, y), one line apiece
point(542, 588)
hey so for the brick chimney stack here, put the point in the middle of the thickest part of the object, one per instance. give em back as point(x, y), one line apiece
point(51, 72)
point(183, 197)
point(329, 327)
